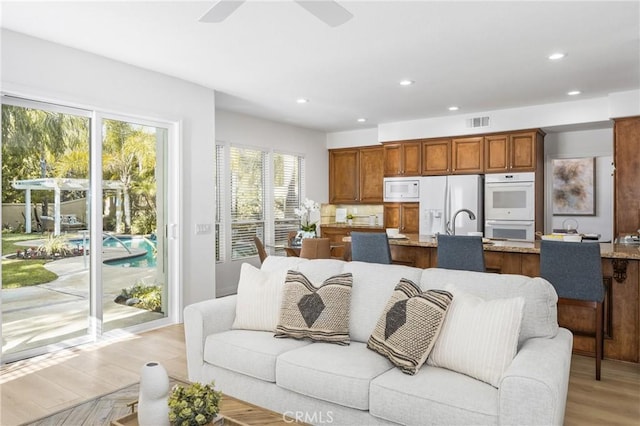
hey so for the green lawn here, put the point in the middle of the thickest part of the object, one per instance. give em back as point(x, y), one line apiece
point(22, 273)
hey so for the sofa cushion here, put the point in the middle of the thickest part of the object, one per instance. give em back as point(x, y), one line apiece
point(320, 314)
point(318, 270)
point(433, 396)
point(372, 287)
point(282, 263)
point(540, 317)
point(409, 325)
point(248, 352)
point(478, 338)
point(259, 298)
point(338, 374)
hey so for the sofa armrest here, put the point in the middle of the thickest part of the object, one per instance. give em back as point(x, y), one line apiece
point(533, 390)
point(200, 320)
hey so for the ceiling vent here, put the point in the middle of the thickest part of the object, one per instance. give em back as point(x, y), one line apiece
point(478, 122)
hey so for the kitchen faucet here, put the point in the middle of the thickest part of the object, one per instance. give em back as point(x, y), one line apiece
point(451, 230)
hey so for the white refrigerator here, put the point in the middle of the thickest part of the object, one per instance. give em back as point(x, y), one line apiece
point(442, 196)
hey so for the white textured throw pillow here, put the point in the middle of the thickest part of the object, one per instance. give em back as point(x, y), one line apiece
point(259, 298)
point(479, 337)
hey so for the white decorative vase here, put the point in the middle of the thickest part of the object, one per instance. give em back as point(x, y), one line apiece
point(153, 408)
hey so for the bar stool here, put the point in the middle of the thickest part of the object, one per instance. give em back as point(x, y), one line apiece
point(575, 271)
point(372, 247)
point(462, 252)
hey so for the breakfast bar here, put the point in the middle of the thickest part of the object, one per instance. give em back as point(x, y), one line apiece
point(621, 278)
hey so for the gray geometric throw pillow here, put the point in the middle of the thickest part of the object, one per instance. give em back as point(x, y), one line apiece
point(409, 325)
point(320, 314)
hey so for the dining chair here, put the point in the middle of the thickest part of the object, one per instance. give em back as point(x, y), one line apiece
point(575, 271)
point(372, 247)
point(315, 248)
point(462, 252)
point(262, 253)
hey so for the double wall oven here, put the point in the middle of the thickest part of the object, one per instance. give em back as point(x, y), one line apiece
point(510, 206)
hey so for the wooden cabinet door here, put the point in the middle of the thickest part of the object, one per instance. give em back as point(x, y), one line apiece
point(410, 218)
point(411, 159)
point(344, 175)
point(371, 174)
point(496, 153)
point(404, 216)
point(522, 152)
point(335, 236)
point(467, 155)
point(392, 215)
point(626, 157)
point(393, 159)
point(436, 157)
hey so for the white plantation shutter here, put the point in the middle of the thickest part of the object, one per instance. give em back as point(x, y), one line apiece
point(247, 201)
point(288, 179)
point(220, 193)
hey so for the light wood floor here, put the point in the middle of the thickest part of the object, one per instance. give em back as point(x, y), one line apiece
point(34, 388)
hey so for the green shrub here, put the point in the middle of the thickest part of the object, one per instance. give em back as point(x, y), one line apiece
point(149, 296)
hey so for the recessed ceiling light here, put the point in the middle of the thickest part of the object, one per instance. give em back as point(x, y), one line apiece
point(574, 93)
point(302, 100)
point(556, 56)
point(453, 108)
point(361, 120)
point(406, 82)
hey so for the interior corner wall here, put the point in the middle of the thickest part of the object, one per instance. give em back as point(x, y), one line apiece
point(246, 130)
point(37, 68)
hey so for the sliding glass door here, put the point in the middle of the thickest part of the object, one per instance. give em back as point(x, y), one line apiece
point(85, 206)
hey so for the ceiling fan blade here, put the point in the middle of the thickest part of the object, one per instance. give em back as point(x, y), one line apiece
point(221, 10)
point(328, 11)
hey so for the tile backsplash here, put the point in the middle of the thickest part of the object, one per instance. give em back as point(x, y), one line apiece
point(360, 212)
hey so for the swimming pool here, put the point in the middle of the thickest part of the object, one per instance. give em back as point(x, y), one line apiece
point(147, 260)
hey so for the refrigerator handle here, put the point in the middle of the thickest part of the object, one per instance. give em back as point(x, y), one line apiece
point(447, 206)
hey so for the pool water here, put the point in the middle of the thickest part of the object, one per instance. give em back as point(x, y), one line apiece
point(147, 260)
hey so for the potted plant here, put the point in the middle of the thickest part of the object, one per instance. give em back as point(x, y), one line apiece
point(195, 404)
point(307, 227)
point(350, 219)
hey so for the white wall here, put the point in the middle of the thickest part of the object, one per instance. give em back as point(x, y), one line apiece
point(241, 129)
point(36, 68)
point(347, 139)
point(578, 144)
point(597, 110)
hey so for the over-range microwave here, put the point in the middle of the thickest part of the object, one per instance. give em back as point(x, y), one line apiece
point(401, 189)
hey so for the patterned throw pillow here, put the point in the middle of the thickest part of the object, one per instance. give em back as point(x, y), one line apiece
point(320, 314)
point(409, 325)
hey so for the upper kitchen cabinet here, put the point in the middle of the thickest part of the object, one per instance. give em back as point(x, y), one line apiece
point(513, 152)
point(371, 174)
point(436, 157)
point(626, 157)
point(467, 155)
point(355, 175)
point(402, 158)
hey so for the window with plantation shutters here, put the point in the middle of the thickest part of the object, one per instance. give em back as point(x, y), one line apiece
point(257, 192)
point(247, 199)
point(220, 193)
point(288, 181)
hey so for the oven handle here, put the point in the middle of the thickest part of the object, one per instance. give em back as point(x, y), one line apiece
point(510, 222)
point(509, 185)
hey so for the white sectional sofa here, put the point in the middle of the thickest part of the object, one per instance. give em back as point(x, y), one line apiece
point(323, 383)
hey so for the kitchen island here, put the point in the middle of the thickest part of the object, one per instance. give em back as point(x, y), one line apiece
point(621, 278)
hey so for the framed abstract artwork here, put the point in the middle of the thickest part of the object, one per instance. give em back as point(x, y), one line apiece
point(574, 186)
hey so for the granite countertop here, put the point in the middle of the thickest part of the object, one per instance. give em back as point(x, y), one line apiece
point(608, 250)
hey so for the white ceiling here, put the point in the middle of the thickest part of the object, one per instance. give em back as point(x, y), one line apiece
point(478, 55)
